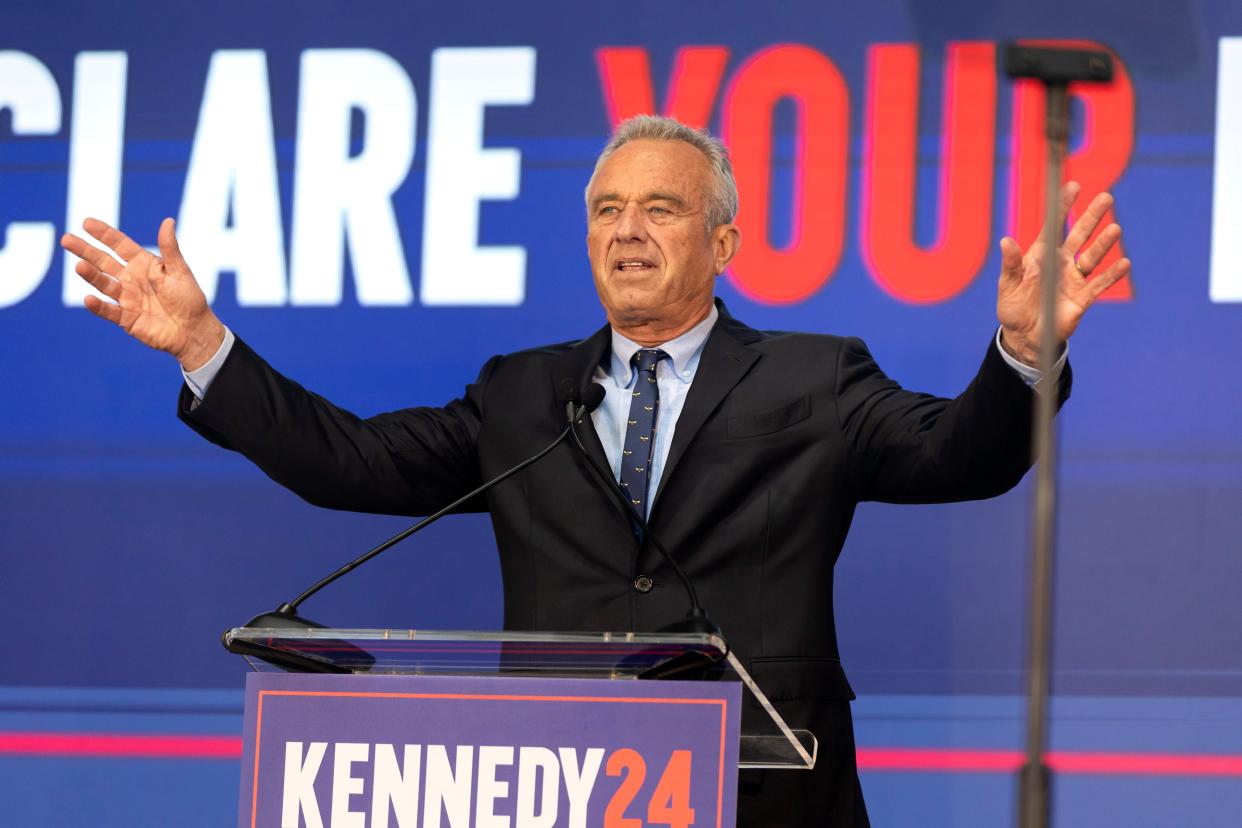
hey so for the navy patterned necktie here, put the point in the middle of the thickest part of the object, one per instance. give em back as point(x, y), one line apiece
point(639, 445)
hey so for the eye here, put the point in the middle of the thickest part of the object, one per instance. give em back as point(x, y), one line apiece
point(659, 211)
point(607, 210)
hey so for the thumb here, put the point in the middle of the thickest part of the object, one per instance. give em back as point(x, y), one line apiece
point(169, 249)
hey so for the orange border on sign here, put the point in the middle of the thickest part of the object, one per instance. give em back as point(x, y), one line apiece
point(258, 726)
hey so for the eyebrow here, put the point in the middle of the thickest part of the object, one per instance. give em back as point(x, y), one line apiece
point(602, 197)
point(652, 196)
point(665, 197)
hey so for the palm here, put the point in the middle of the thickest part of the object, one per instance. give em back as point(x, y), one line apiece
point(156, 304)
point(155, 299)
point(1018, 299)
point(1019, 306)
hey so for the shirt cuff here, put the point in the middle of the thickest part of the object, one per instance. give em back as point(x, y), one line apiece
point(1031, 376)
point(200, 379)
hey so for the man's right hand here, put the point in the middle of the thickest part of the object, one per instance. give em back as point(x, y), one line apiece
point(157, 301)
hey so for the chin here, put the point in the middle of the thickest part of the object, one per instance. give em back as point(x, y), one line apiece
point(635, 306)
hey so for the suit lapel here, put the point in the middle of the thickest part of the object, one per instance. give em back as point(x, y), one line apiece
point(726, 359)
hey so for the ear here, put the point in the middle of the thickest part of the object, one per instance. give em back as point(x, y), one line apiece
point(726, 239)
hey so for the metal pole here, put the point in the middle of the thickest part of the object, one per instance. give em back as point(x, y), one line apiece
point(1035, 787)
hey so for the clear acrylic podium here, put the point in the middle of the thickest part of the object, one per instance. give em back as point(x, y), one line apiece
point(766, 741)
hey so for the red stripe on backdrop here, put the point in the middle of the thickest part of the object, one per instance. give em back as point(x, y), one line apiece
point(935, 759)
point(1075, 762)
point(169, 746)
point(118, 745)
point(1161, 764)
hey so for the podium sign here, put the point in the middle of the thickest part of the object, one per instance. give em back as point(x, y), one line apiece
point(402, 751)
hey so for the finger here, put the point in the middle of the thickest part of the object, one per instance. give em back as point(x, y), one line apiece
point(1103, 281)
point(1011, 260)
point(169, 248)
point(1087, 222)
point(90, 253)
point(1069, 194)
point(1090, 258)
point(102, 309)
point(99, 280)
point(124, 246)
point(1065, 200)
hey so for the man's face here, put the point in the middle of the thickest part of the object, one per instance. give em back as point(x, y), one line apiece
point(653, 258)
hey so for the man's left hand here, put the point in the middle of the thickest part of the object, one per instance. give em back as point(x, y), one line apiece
point(1018, 293)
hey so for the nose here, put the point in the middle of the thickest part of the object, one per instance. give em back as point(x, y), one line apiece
point(632, 224)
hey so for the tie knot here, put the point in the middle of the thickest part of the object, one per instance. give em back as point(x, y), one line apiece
point(647, 358)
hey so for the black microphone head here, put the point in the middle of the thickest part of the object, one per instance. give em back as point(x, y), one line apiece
point(569, 391)
point(593, 397)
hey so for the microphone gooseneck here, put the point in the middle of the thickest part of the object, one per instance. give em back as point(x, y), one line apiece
point(286, 616)
point(696, 621)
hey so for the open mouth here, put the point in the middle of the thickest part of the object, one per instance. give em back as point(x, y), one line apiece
point(633, 265)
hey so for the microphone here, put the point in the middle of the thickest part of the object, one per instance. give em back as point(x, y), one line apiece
point(286, 616)
point(578, 406)
point(696, 621)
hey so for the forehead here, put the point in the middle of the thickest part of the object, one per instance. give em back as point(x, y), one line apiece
point(645, 165)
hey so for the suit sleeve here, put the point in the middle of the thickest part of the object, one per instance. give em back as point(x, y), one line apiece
point(408, 462)
point(907, 447)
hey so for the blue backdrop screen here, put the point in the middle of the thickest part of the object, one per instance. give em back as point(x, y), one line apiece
point(379, 197)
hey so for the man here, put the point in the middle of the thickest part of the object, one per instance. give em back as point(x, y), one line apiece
point(746, 451)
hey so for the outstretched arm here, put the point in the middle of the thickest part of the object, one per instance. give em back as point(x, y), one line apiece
point(155, 299)
point(410, 462)
point(919, 448)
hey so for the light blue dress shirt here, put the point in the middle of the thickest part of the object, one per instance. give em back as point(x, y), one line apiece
point(200, 378)
point(673, 378)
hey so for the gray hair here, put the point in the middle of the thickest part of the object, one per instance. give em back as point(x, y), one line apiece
point(721, 207)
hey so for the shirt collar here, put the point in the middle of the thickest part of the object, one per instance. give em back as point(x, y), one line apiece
point(683, 352)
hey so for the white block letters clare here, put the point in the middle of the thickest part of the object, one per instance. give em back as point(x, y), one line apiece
point(233, 173)
point(340, 194)
point(354, 147)
point(29, 91)
point(96, 146)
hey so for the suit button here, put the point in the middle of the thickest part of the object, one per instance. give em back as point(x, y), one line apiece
point(643, 583)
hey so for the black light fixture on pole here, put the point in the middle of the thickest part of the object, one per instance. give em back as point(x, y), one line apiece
point(1056, 69)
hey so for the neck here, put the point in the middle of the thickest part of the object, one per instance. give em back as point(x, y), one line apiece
point(652, 332)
